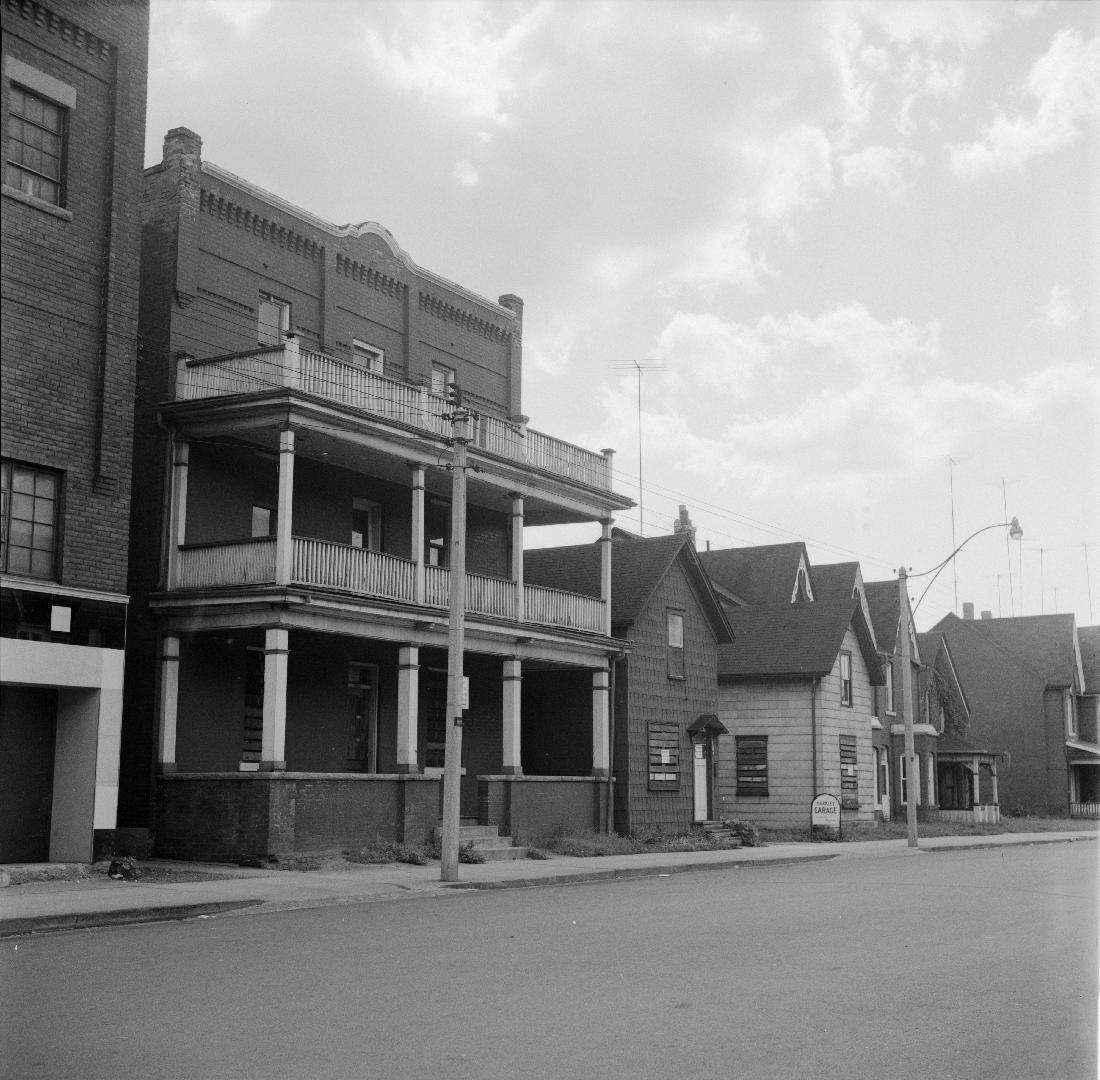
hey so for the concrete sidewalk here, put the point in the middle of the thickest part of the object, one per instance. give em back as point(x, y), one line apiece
point(38, 906)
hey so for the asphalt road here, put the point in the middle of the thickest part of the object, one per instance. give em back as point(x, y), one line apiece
point(924, 965)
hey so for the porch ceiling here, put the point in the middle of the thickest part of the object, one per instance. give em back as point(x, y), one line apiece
point(328, 435)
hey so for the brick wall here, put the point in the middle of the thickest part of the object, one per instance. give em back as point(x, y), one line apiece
point(528, 808)
point(68, 328)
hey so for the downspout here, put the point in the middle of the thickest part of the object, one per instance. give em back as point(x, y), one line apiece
point(813, 733)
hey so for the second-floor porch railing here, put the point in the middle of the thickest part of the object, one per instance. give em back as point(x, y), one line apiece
point(359, 572)
point(291, 367)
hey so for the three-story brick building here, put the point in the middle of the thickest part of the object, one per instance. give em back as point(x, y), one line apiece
point(74, 78)
point(291, 548)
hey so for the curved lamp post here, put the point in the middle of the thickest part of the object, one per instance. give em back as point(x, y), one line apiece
point(910, 756)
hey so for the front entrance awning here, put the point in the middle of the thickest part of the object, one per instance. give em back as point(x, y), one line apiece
point(710, 723)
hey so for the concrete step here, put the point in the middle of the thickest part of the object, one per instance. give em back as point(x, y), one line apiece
point(500, 852)
point(472, 832)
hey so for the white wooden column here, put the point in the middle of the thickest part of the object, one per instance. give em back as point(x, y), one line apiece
point(993, 779)
point(517, 556)
point(417, 524)
point(512, 677)
point(276, 664)
point(605, 573)
point(601, 722)
point(168, 702)
point(408, 705)
point(284, 525)
point(976, 772)
point(177, 509)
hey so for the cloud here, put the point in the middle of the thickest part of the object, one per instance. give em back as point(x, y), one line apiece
point(469, 55)
point(1065, 85)
point(836, 402)
point(240, 14)
point(466, 174)
point(794, 169)
point(710, 36)
point(880, 166)
point(614, 267)
point(719, 261)
point(1059, 311)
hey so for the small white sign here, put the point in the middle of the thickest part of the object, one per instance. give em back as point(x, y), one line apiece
point(825, 817)
point(465, 692)
point(61, 619)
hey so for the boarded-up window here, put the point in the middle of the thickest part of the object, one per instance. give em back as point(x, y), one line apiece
point(675, 645)
point(849, 773)
point(664, 755)
point(752, 765)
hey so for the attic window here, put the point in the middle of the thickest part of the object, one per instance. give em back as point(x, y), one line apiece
point(802, 586)
point(845, 678)
point(675, 645)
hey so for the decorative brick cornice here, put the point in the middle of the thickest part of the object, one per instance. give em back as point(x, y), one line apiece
point(241, 217)
point(466, 319)
point(373, 279)
point(65, 29)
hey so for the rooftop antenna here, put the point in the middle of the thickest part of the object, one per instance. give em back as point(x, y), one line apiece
point(951, 463)
point(1088, 581)
point(639, 368)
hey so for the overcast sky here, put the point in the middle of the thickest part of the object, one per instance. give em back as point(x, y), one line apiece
point(861, 239)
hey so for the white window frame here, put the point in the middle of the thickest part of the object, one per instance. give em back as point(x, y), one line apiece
point(847, 692)
point(904, 793)
point(442, 377)
point(275, 335)
point(373, 356)
point(372, 539)
point(676, 654)
point(891, 705)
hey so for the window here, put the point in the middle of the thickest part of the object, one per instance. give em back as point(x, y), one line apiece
point(437, 526)
point(752, 764)
point(849, 773)
point(442, 377)
point(366, 524)
point(29, 512)
point(36, 146)
point(368, 357)
point(664, 755)
point(274, 321)
point(263, 520)
point(888, 668)
point(845, 678)
point(675, 645)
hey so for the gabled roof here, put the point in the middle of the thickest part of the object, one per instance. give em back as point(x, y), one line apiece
point(799, 640)
point(767, 574)
point(1089, 639)
point(936, 653)
point(1044, 644)
point(882, 601)
point(835, 581)
point(637, 568)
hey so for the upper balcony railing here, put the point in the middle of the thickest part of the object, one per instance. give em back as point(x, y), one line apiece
point(325, 565)
point(290, 367)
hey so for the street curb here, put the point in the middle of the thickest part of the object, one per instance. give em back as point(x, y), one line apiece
point(1015, 843)
point(88, 920)
point(626, 873)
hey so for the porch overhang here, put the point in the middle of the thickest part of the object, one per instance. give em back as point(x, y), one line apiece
point(708, 723)
point(1082, 753)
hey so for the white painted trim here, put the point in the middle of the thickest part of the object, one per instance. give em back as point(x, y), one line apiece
point(7, 581)
point(40, 82)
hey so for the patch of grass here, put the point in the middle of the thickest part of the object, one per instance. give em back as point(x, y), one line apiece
point(384, 851)
point(898, 829)
point(594, 845)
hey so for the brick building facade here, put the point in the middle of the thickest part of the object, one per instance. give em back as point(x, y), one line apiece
point(74, 80)
point(291, 554)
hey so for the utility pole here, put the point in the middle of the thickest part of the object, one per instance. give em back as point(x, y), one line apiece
point(452, 754)
point(912, 780)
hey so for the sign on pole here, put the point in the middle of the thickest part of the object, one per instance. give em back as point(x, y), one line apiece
point(825, 818)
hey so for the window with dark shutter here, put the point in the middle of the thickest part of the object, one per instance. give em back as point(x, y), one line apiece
point(664, 755)
point(849, 773)
point(752, 765)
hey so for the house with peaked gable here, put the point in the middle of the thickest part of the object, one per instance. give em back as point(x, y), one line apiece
point(796, 689)
point(1026, 683)
point(667, 742)
point(292, 551)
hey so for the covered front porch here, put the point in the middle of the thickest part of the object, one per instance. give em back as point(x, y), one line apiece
point(1084, 779)
point(280, 739)
point(967, 787)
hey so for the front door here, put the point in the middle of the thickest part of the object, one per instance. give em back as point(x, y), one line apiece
point(701, 761)
point(362, 729)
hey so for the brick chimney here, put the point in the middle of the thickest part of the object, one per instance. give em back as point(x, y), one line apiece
point(987, 614)
point(683, 525)
point(968, 611)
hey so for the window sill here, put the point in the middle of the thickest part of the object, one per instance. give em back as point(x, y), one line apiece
point(38, 204)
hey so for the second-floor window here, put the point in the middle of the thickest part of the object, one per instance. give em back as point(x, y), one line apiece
point(35, 163)
point(845, 678)
point(274, 319)
point(366, 524)
point(263, 521)
point(368, 357)
point(29, 517)
point(442, 377)
point(888, 668)
point(675, 645)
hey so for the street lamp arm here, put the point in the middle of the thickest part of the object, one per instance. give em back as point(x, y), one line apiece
point(1014, 531)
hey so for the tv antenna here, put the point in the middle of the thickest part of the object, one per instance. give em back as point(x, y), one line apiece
point(639, 368)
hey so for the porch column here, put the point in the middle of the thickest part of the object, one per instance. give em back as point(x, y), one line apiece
point(284, 536)
point(601, 730)
point(993, 780)
point(408, 704)
point(417, 523)
point(976, 772)
point(605, 573)
point(511, 764)
point(276, 662)
point(517, 556)
point(169, 703)
point(177, 509)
